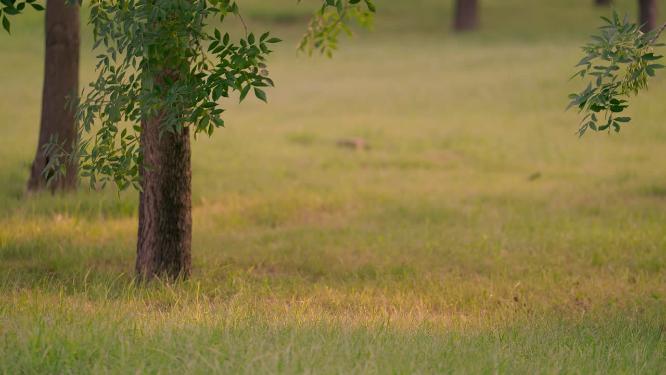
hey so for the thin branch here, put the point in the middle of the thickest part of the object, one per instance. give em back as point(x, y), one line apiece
point(658, 33)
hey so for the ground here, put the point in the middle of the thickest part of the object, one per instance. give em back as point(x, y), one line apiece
point(476, 234)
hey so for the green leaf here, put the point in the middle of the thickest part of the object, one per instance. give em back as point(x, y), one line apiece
point(5, 24)
point(651, 57)
point(244, 92)
point(260, 94)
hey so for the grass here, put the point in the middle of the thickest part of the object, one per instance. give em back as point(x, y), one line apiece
point(477, 235)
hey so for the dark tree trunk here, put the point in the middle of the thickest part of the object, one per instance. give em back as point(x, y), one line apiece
point(165, 217)
point(647, 10)
point(61, 80)
point(466, 15)
point(603, 2)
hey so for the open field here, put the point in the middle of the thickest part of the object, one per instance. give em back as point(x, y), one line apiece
point(477, 234)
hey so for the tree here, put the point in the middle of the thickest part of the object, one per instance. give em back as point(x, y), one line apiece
point(163, 71)
point(466, 15)
point(61, 80)
point(617, 64)
point(647, 10)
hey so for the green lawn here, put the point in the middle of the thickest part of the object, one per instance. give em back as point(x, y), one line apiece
point(478, 234)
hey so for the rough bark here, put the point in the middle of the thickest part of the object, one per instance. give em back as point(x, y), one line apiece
point(647, 10)
point(602, 2)
point(466, 15)
point(61, 79)
point(165, 219)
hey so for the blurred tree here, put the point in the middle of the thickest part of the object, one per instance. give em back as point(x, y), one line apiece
point(466, 15)
point(647, 10)
point(61, 79)
point(58, 132)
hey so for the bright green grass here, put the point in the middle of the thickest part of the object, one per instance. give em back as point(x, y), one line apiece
point(433, 252)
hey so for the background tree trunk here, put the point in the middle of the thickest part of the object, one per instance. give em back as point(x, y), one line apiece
point(466, 15)
point(165, 218)
point(647, 10)
point(61, 79)
point(602, 2)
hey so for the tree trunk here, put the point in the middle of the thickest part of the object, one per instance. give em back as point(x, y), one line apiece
point(466, 15)
point(165, 217)
point(61, 80)
point(647, 10)
point(603, 2)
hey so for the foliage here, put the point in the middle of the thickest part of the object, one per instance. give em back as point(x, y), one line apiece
point(329, 22)
point(618, 63)
point(160, 59)
point(14, 7)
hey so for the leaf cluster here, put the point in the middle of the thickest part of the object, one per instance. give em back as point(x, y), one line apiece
point(331, 20)
point(160, 60)
point(10, 8)
point(617, 64)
